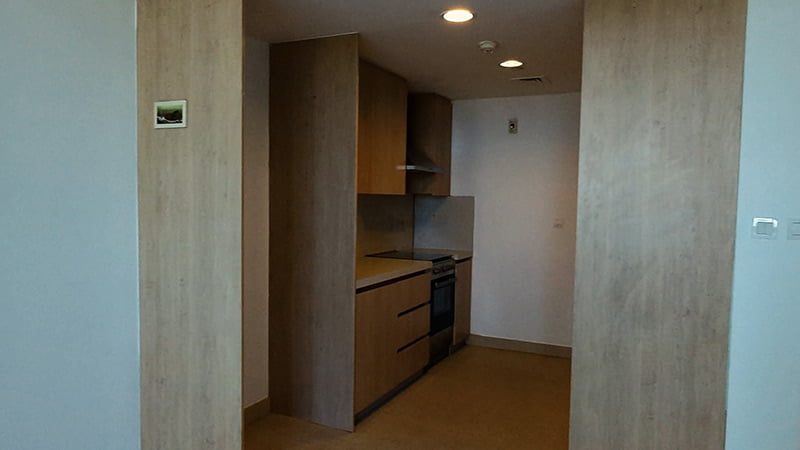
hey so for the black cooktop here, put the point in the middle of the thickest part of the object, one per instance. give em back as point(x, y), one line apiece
point(413, 254)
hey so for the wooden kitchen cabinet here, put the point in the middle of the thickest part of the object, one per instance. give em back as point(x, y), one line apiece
point(430, 123)
point(312, 231)
point(463, 302)
point(335, 121)
point(392, 324)
point(382, 106)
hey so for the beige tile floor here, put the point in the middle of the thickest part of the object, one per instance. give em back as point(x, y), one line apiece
point(478, 398)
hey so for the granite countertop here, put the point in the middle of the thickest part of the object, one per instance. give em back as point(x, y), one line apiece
point(371, 271)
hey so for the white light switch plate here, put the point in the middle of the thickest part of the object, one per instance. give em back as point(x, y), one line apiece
point(765, 228)
point(512, 126)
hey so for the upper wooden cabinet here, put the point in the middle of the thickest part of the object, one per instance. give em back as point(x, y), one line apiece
point(430, 122)
point(396, 129)
point(382, 101)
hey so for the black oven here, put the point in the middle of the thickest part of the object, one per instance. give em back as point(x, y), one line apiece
point(443, 294)
point(443, 291)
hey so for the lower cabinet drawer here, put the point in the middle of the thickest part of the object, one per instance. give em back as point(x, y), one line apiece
point(411, 326)
point(388, 319)
point(412, 359)
point(412, 292)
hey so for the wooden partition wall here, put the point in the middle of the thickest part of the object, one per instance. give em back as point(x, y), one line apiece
point(660, 125)
point(190, 224)
point(312, 187)
point(255, 229)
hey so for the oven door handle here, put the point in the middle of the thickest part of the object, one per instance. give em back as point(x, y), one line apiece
point(441, 284)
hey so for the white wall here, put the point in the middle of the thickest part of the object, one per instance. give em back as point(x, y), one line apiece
point(764, 379)
point(69, 360)
point(523, 183)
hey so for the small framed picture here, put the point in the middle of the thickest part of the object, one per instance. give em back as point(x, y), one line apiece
point(170, 114)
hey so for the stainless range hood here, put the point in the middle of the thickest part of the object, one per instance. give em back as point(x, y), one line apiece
point(421, 164)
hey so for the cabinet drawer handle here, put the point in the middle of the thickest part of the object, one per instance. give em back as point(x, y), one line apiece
point(412, 343)
point(408, 311)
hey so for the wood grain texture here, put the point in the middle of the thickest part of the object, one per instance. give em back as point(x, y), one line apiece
point(463, 302)
point(430, 126)
point(190, 224)
point(382, 102)
point(411, 292)
point(313, 118)
point(412, 326)
point(255, 223)
point(374, 350)
point(380, 333)
point(256, 411)
point(412, 360)
point(660, 126)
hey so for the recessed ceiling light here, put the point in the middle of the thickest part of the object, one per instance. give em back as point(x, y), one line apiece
point(511, 63)
point(458, 15)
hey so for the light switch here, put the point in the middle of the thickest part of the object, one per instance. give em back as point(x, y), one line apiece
point(765, 228)
point(793, 230)
point(512, 126)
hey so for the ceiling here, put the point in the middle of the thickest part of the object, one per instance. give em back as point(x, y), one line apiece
point(409, 38)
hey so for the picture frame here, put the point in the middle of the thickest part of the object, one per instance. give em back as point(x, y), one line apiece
point(170, 114)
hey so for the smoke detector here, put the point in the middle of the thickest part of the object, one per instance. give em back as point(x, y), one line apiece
point(487, 46)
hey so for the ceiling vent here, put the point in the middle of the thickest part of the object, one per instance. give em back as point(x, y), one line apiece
point(535, 79)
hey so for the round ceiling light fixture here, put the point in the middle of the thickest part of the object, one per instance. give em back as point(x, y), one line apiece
point(459, 15)
point(512, 64)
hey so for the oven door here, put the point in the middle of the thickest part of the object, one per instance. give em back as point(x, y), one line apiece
point(443, 292)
